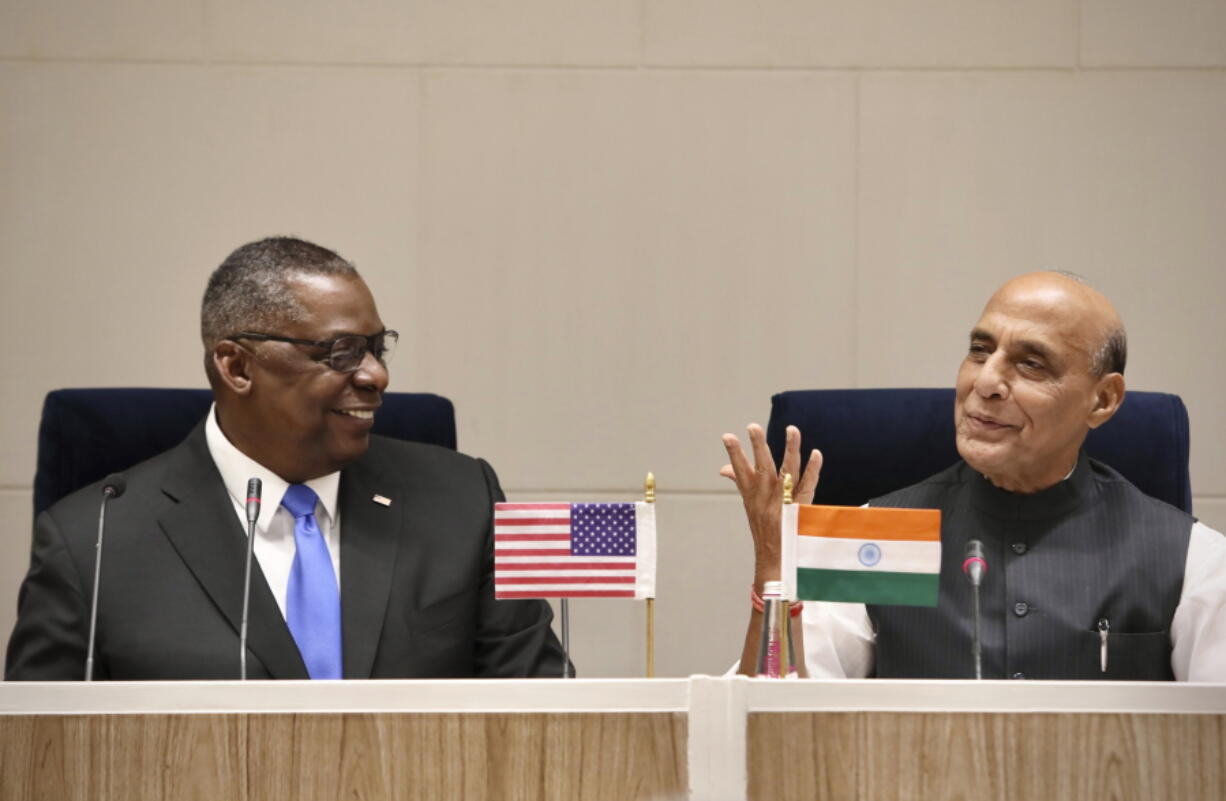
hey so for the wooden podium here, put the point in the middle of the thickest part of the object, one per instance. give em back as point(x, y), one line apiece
point(700, 738)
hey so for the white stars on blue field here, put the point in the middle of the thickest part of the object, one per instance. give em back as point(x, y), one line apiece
point(602, 529)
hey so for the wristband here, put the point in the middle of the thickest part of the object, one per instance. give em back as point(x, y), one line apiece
point(759, 605)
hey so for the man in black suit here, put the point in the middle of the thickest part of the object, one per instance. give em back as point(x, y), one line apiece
point(296, 355)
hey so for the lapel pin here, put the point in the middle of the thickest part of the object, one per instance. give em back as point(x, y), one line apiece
point(382, 500)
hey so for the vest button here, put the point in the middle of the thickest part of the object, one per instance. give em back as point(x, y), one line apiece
point(1021, 608)
point(1019, 548)
point(1019, 675)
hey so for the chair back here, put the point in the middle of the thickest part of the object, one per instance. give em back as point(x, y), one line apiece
point(875, 441)
point(86, 434)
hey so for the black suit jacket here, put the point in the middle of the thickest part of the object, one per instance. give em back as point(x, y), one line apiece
point(417, 579)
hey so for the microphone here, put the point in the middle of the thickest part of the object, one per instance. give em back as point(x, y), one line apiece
point(112, 487)
point(975, 567)
point(254, 489)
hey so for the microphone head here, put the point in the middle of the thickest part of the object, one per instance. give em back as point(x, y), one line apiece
point(255, 488)
point(973, 565)
point(114, 485)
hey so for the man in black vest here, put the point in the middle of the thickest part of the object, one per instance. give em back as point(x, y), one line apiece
point(1092, 578)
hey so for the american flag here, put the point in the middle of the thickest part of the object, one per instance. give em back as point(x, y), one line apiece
point(574, 550)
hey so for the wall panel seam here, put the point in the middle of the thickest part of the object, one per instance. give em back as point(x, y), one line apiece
point(692, 68)
point(1079, 26)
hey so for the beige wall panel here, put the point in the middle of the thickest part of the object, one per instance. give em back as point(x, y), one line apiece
point(1211, 511)
point(704, 569)
point(870, 33)
point(1145, 33)
point(426, 31)
point(122, 187)
point(968, 179)
point(16, 518)
point(113, 29)
point(618, 267)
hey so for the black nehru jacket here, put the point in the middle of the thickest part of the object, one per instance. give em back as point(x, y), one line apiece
point(1091, 548)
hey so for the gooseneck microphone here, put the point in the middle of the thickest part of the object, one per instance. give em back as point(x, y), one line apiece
point(112, 487)
point(254, 489)
point(975, 567)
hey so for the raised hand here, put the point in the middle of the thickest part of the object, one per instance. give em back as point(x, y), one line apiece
point(761, 488)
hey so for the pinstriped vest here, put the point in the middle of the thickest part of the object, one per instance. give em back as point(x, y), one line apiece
point(1090, 548)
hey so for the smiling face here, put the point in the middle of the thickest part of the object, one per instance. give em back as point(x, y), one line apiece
point(290, 411)
point(1027, 393)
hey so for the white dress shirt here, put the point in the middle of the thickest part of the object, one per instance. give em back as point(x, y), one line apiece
point(274, 530)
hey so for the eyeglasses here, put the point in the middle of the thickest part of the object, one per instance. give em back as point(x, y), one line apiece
point(345, 353)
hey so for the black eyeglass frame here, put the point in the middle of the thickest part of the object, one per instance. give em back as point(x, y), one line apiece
point(369, 343)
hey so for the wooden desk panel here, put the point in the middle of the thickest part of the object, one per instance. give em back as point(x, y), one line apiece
point(246, 757)
point(909, 756)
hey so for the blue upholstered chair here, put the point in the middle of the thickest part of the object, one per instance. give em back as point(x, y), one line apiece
point(875, 441)
point(86, 434)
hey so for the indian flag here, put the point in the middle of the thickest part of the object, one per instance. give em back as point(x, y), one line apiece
point(861, 554)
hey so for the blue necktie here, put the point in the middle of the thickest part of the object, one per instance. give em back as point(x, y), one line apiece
point(313, 603)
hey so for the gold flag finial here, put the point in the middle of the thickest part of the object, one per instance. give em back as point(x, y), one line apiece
point(649, 488)
point(787, 487)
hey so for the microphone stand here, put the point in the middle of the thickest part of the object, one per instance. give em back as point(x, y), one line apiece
point(974, 566)
point(254, 491)
point(113, 487)
point(976, 643)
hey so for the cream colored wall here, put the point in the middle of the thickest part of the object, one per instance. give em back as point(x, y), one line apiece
point(610, 229)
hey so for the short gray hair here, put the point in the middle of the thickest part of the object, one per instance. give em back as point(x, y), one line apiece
point(251, 290)
point(1112, 355)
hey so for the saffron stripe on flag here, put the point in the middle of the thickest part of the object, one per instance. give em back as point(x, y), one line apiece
point(859, 586)
point(869, 523)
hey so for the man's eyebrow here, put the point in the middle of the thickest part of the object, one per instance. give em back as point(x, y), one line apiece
point(1037, 348)
point(345, 332)
point(1029, 346)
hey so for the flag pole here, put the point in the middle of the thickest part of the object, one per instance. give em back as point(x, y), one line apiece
point(566, 639)
point(649, 496)
point(785, 628)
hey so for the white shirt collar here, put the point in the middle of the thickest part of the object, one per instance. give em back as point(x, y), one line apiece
point(237, 467)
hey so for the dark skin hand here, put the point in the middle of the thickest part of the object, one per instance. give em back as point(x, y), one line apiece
point(761, 489)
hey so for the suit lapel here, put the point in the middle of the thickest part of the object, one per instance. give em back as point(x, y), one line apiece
point(370, 533)
point(210, 540)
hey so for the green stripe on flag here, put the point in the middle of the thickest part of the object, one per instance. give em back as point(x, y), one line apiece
point(867, 587)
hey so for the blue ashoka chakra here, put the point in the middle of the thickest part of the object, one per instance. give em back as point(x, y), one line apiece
point(870, 554)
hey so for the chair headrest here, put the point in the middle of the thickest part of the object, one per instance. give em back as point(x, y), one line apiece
point(86, 434)
point(875, 441)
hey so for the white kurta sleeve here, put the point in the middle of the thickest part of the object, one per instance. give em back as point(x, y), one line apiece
point(839, 640)
point(1198, 630)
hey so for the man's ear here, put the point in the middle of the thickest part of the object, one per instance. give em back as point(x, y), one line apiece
point(1108, 396)
point(233, 364)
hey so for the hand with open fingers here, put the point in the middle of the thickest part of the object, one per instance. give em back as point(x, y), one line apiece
point(761, 488)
